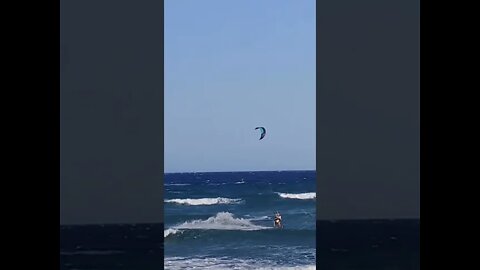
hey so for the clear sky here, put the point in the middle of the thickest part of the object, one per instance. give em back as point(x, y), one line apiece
point(231, 66)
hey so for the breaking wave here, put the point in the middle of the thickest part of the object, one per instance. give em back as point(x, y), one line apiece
point(204, 201)
point(298, 196)
point(221, 221)
point(170, 231)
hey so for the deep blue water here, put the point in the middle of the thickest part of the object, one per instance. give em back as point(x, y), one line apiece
point(225, 220)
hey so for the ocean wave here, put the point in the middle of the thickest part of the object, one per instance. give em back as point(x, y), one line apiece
point(170, 231)
point(268, 234)
point(298, 196)
point(260, 218)
point(174, 263)
point(176, 184)
point(221, 221)
point(204, 201)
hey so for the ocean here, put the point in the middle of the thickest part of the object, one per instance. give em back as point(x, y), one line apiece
point(225, 221)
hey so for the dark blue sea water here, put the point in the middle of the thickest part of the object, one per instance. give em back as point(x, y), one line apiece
point(225, 220)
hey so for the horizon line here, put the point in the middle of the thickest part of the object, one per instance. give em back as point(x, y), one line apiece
point(296, 170)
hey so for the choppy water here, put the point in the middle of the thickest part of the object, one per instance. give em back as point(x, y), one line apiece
point(225, 220)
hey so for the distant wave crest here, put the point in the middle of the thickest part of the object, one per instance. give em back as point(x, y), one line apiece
point(204, 201)
point(298, 196)
point(261, 218)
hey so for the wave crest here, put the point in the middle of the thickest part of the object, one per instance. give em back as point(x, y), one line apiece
point(221, 221)
point(170, 231)
point(204, 201)
point(298, 196)
point(261, 218)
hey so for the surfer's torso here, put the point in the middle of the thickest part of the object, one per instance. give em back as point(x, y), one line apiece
point(278, 221)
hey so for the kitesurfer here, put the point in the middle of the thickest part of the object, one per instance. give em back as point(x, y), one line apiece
point(277, 221)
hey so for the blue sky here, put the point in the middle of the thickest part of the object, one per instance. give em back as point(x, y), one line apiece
point(233, 65)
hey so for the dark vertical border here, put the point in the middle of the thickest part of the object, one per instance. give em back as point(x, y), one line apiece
point(425, 144)
point(31, 190)
point(36, 199)
point(438, 215)
point(53, 108)
point(426, 140)
point(40, 223)
point(52, 105)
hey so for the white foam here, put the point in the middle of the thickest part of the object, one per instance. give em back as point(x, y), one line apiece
point(174, 263)
point(221, 221)
point(261, 218)
point(204, 201)
point(298, 196)
point(170, 231)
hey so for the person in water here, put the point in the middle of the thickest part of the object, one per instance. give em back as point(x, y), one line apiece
point(277, 221)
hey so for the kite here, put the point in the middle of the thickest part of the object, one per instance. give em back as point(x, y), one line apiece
point(264, 131)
